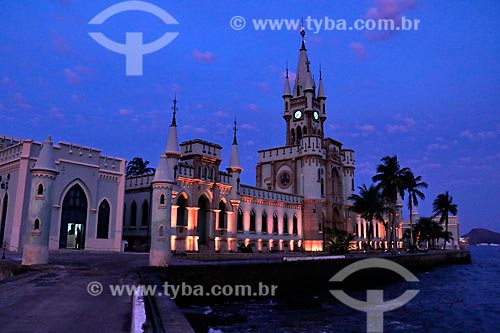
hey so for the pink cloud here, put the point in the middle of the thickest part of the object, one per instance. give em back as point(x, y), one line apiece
point(61, 45)
point(396, 128)
point(124, 112)
point(367, 128)
point(71, 77)
point(20, 100)
point(359, 50)
point(388, 9)
point(253, 107)
point(207, 56)
point(56, 113)
point(264, 87)
point(248, 126)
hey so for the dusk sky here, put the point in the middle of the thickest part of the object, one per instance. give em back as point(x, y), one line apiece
point(430, 96)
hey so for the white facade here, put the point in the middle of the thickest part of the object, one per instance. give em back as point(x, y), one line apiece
point(87, 196)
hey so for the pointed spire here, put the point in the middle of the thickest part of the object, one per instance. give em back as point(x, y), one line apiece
point(173, 142)
point(234, 161)
point(303, 34)
point(303, 80)
point(162, 172)
point(321, 89)
point(287, 91)
point(174, 108)
point(46, 159)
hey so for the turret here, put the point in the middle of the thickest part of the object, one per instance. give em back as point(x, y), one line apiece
point(234, 167)
point(172, 151)
point(161, 206)
point(44, 173)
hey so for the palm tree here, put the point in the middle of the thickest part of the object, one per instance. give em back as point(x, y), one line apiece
point(138, 167)
point(427, 230)
point(390, 179)
point(412, 185)
point(369, 205)
point(443, 205)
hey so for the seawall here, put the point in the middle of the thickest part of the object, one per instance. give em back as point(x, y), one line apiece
point(300, 276)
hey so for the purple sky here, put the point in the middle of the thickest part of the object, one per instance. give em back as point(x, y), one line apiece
point(430, 96)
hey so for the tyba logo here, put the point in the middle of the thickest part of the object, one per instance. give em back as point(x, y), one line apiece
point(374, 305)
point(133, 49)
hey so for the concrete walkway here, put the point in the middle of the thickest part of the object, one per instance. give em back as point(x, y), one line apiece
point(54, 298)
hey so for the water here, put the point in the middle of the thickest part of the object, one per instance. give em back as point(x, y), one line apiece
point(458, 298)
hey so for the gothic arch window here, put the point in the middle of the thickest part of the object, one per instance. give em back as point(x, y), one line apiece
point(205, 169)
point(103, 220)
point(175, 171)
point(133, 214)
point(252, 221)
point(264, 222)
point(145, 213)
point(222, 215)
point(299, 134)
point(39, 191)
point(161, 231)
point(212, 174)
point(304, 132)
point(275, 223)
point(162, 199)
point(295, 228)
point(181, 211)
point(285, 224)
point(286, 105)
point(298, 90)
point(239, 225)
point(36, 225)
point(293, 136)
point(199, 171)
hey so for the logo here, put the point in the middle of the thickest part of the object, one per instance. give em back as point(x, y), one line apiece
point(374, 305)
point(133, 49)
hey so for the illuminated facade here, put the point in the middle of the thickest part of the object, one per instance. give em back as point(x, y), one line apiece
point(301, 187)
point(62, 196)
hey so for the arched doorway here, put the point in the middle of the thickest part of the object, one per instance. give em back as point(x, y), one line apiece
point(5, 203)
point(203, 220)
point(73, 219)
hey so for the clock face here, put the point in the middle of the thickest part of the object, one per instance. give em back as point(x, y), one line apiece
point(297, 114)
point(285, 178)
point(316, 115)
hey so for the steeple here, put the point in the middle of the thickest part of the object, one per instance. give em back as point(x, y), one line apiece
point(287, 91)
point(321, 89)
point(303, 79)
point(46, 160)
point(234, 161)
point(173, 142)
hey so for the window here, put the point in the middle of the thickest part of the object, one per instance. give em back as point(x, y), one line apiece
point(145, 213)
point(239, 225)
point(264, 222)
point(175, 171)
point(295, 229)
point(36, 225)
point(285, 224)
point(293, 136)
point(275, 223)
point(222, 215)
point(103, 220)
point(162, 199)
point(161, 231)
point(252, 221)
point(299, 134)
point(181, 211)
point(133, 214)
point(40, 190)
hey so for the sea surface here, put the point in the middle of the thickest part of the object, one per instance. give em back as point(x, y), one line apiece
point(456, 298)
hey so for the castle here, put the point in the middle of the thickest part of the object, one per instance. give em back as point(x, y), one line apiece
point(71, 196)
point(301, 188)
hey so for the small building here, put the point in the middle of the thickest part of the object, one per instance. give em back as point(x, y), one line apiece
point(82, 195)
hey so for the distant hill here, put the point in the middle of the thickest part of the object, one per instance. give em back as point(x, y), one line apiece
point(480, 235)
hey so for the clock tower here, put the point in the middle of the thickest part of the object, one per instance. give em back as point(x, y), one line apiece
point(304, 111)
